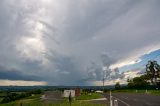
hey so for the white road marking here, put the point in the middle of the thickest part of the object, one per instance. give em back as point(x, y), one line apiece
point(122, 101)
point(148, 103)
point(126, 98)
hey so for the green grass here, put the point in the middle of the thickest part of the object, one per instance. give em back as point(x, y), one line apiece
point(1, 94)
point(89, 96)
point(65, 103)
point(1, 99)
point(35, 101)
point(153, 92)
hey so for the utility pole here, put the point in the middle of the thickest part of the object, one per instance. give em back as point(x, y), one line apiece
point(103, 81)
point(110, 98)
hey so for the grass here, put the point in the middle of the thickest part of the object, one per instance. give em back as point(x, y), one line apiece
point(65, 103)
point(153, 92)
point(1, 99)
point(36, 101)
point(89, 96)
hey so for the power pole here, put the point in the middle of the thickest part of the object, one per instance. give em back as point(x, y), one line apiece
point(103, 80)
point(110, 98)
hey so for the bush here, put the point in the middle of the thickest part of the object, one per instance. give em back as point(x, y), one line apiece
point(15, 96)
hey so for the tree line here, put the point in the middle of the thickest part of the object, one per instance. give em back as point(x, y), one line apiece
point(151, 78)
point(12, 96)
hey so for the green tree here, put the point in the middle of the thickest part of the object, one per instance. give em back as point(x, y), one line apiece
point(153, 72)
point(138, 82)
point(117, 86)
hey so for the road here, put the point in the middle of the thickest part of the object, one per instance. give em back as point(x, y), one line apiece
point(52, 96)
point(130, 99)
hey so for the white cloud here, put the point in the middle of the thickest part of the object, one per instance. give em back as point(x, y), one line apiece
point(31, 48)
point(134, 57)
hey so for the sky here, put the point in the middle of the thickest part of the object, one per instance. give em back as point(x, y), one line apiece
point(77, 42)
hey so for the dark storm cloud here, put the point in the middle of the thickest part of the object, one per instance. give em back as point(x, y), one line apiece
point(16, 75)
point(65, 71)
point(87, 18)
point(63, 41)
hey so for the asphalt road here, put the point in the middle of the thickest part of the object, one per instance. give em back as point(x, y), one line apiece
point(130, 99)
point(52, 96)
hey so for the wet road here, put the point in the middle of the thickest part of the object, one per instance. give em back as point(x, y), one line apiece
point(129, 99)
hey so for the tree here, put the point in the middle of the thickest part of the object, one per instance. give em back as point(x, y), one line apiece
point(117, 86)
point(153, 72)
point(138, 82)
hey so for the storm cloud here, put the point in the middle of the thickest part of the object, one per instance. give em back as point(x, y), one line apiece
point(63, 42)
point(16, 75)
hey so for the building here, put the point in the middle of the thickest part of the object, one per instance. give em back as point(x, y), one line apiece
point(67, 93)
point(77, 92)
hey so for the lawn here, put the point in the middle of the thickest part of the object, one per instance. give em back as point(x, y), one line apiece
point(36, 101)
point(89, 96)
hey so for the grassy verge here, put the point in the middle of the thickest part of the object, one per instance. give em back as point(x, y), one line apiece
point(36, 101)
point(89, 96)
point(153, 92)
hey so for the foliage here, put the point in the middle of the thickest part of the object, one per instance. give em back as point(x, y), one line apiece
point(16, 96)
point(138, 82)
point(153, 72)
point(152, 75)
point(117, 86)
